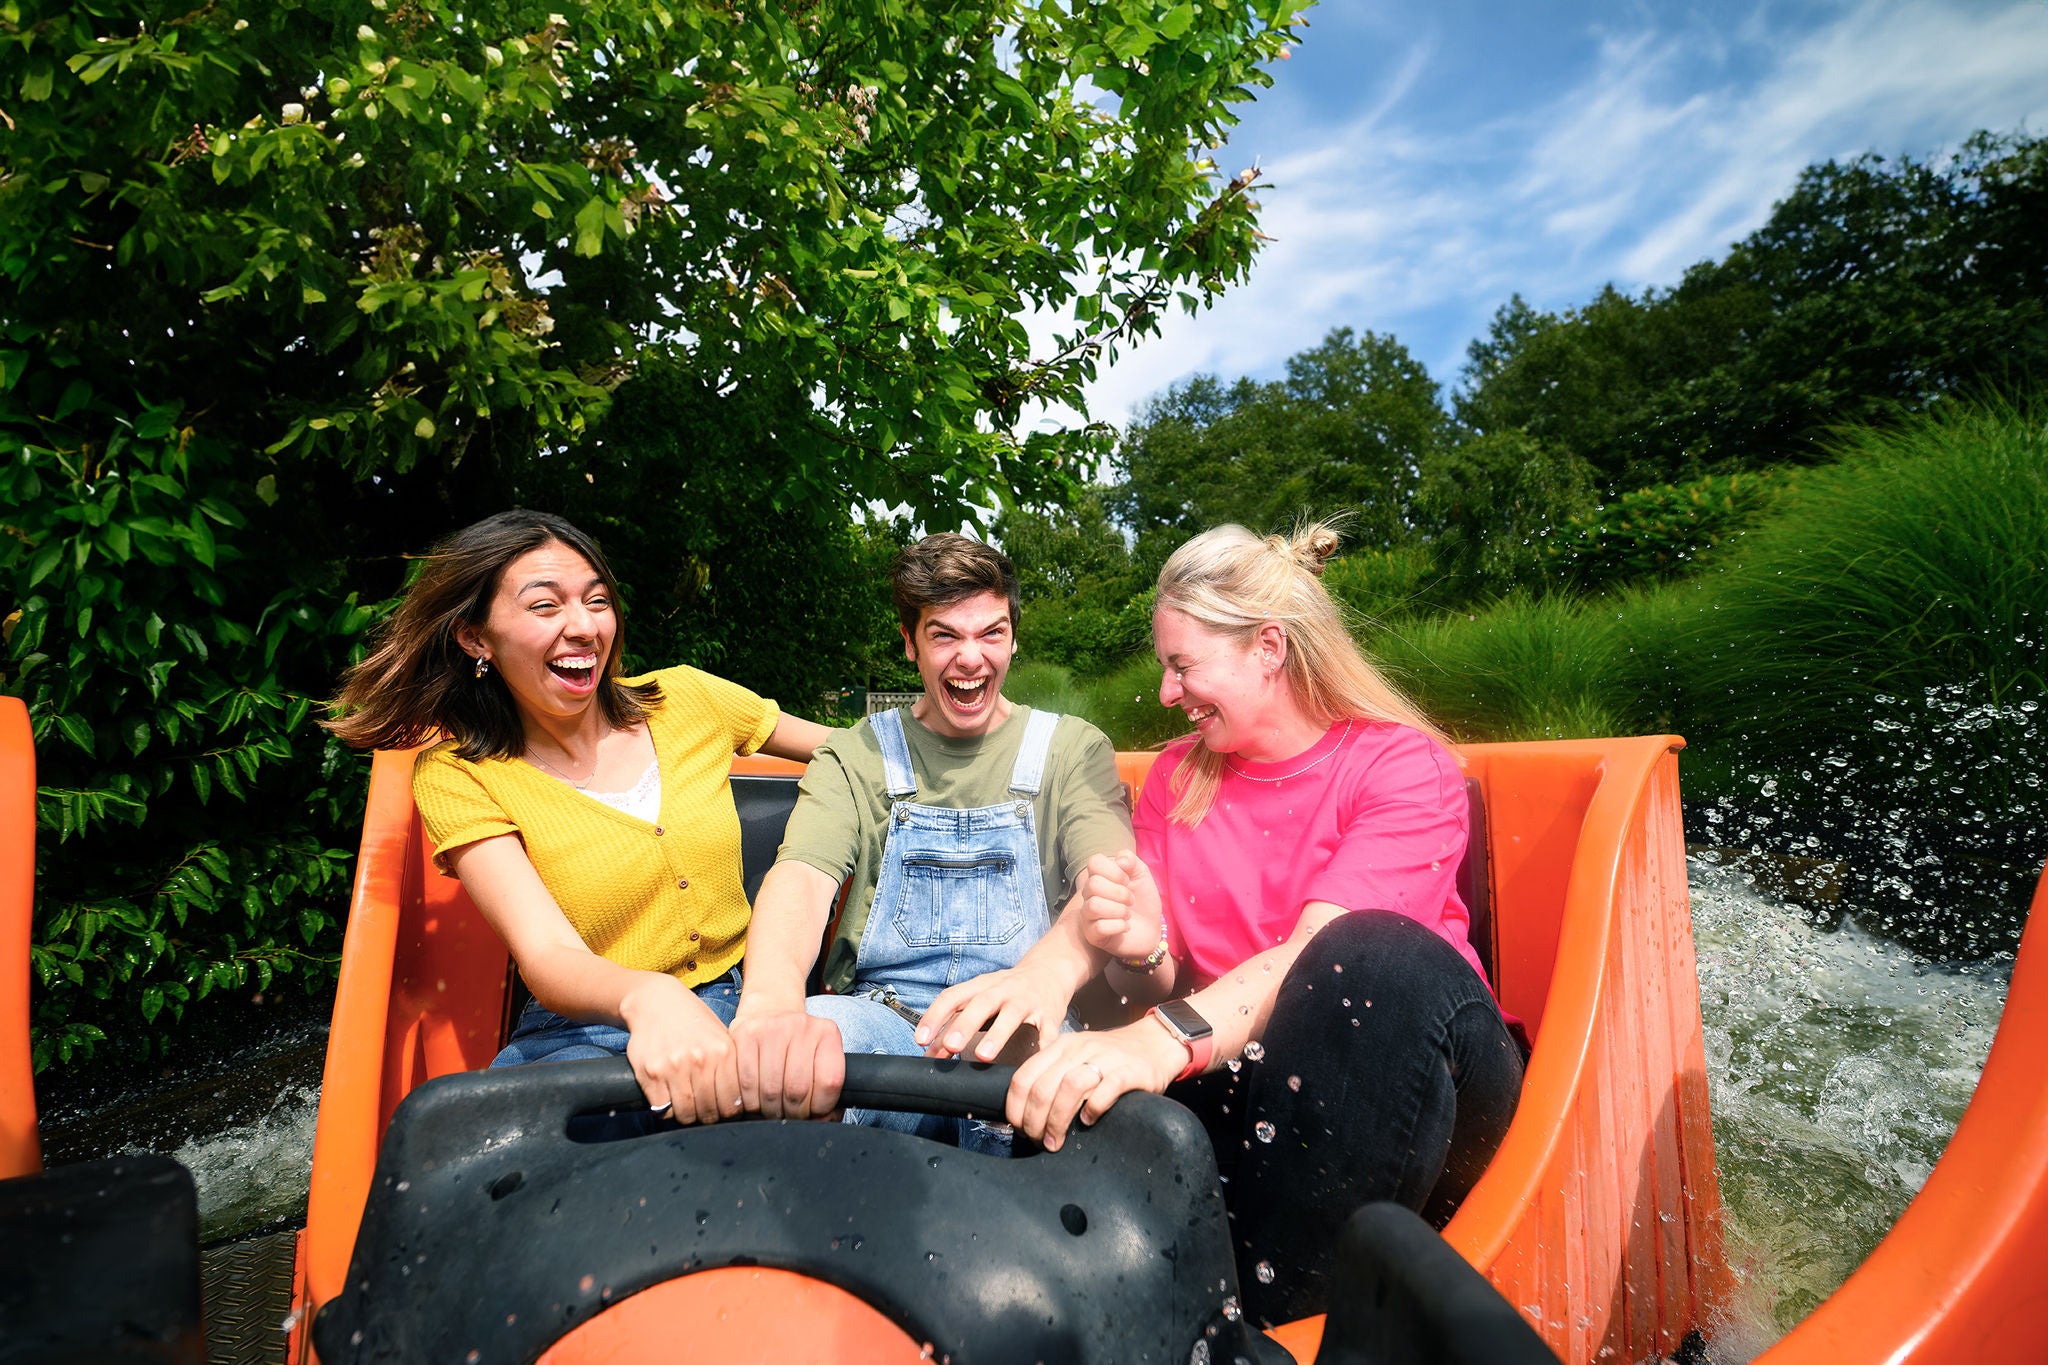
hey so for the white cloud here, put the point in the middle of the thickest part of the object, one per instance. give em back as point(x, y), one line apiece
point(1664, 151)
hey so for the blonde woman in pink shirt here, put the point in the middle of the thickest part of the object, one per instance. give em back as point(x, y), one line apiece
point(1293, 908)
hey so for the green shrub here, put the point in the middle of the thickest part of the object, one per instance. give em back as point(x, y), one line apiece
point(1384, 585)
point(1523, 668)
point(1919, 560)
point(1123, 704)
point(1089, 637)
point(1892, 614)
point(1048, 687)
point(1656, 532)
point(1493, 502)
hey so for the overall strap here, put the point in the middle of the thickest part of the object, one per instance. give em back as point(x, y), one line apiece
point(1029, 774)
point(901, 780)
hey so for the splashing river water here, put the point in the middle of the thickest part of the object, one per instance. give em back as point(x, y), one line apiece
point(1838, 1065)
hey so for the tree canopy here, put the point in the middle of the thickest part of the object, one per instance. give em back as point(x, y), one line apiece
point(289, 290)
point(1347, 430)
point(1875, 288)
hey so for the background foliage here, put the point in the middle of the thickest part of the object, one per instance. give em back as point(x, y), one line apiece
point(290, 290)
point(1781, 508)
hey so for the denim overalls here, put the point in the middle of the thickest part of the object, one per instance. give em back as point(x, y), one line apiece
point(959, 894)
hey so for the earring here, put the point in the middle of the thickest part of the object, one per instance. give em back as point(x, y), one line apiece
point(483, 666)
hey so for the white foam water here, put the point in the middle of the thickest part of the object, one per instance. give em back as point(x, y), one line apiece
point(255, 1173)
point(1838, 1064)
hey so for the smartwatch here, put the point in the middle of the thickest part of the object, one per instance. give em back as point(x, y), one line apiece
point(1187, 1025)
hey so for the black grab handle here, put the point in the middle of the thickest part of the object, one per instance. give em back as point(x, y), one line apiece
point(955, 1087)
point(492, 1226)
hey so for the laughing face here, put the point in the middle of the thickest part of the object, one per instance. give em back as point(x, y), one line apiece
point(1217, 679)
point(549, 632)
point(963, 652)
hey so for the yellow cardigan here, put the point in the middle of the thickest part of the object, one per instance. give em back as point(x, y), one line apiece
point(664, 897)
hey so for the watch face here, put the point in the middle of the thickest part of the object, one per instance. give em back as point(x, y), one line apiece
point(1185, 1018)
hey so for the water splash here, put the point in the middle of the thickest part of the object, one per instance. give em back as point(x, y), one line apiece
point(255, 1173)
point(1838, 1064)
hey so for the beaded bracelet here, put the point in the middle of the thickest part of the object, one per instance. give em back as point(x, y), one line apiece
point(1150, 962)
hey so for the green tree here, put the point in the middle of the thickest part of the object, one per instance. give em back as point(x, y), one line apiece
point(289, 290)
point(1068, 549)
point(1875, 288)
point(1494, 501)
point(1348, 430)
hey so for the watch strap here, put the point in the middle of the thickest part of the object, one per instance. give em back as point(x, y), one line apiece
point(1200, 1049)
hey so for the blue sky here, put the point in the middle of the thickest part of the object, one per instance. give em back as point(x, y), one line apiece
point(1425, 159)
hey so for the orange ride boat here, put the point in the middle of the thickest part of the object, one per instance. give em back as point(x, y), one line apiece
point(1598, 1220)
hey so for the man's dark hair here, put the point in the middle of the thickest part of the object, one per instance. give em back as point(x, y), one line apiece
point(947, 568)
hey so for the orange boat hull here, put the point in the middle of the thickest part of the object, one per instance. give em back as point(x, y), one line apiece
point(1599, 1219)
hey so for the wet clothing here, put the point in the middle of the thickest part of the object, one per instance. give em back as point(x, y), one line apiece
point(842, 814)
point(1386, 1071)
point(661, 896)
point(1373, 815)
point(1386, 1074)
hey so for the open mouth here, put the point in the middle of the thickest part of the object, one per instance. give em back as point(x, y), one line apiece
point(1198, 714)
point(968, 694)
point(577, 670)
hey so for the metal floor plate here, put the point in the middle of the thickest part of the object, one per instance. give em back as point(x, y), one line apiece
point(247, 1290)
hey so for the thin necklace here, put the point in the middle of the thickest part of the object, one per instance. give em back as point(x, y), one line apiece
point(579, 786)
point(1298, 771)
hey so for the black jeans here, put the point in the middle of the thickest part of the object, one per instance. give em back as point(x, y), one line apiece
point(1386, 1074)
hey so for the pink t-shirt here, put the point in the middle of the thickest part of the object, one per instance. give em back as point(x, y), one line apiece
point(1373, 817)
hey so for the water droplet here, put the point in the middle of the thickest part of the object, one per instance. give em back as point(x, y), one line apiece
point(1233, 1064)
point(1336, 966)
point(1255, 1051)
point(1231, 1310)
point(1294, 1082)
point(1264, 1270)
point(1263, 1131)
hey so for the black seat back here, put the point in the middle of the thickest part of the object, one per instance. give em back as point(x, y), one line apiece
point(1475, 882)
point(764, 805)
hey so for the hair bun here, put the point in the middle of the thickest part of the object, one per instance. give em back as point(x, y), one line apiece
point(1315, 545)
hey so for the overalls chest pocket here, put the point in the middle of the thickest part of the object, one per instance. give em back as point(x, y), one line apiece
point(963, 896)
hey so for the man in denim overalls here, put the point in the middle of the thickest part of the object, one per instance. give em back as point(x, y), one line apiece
point(958, 825)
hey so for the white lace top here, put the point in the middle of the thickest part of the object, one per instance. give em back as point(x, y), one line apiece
point(642, 801)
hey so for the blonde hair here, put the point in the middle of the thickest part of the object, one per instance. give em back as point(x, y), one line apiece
point(1232, 582)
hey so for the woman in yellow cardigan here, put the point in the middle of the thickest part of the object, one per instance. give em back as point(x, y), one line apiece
point(589, 816)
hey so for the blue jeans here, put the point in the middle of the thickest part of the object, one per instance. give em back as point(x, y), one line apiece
point(541, 1035)
point(867, 1025)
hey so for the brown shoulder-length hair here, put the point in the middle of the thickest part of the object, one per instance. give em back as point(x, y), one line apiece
point(417, 681)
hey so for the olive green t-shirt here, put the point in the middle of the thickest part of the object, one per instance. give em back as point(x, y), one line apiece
point(841, 820)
